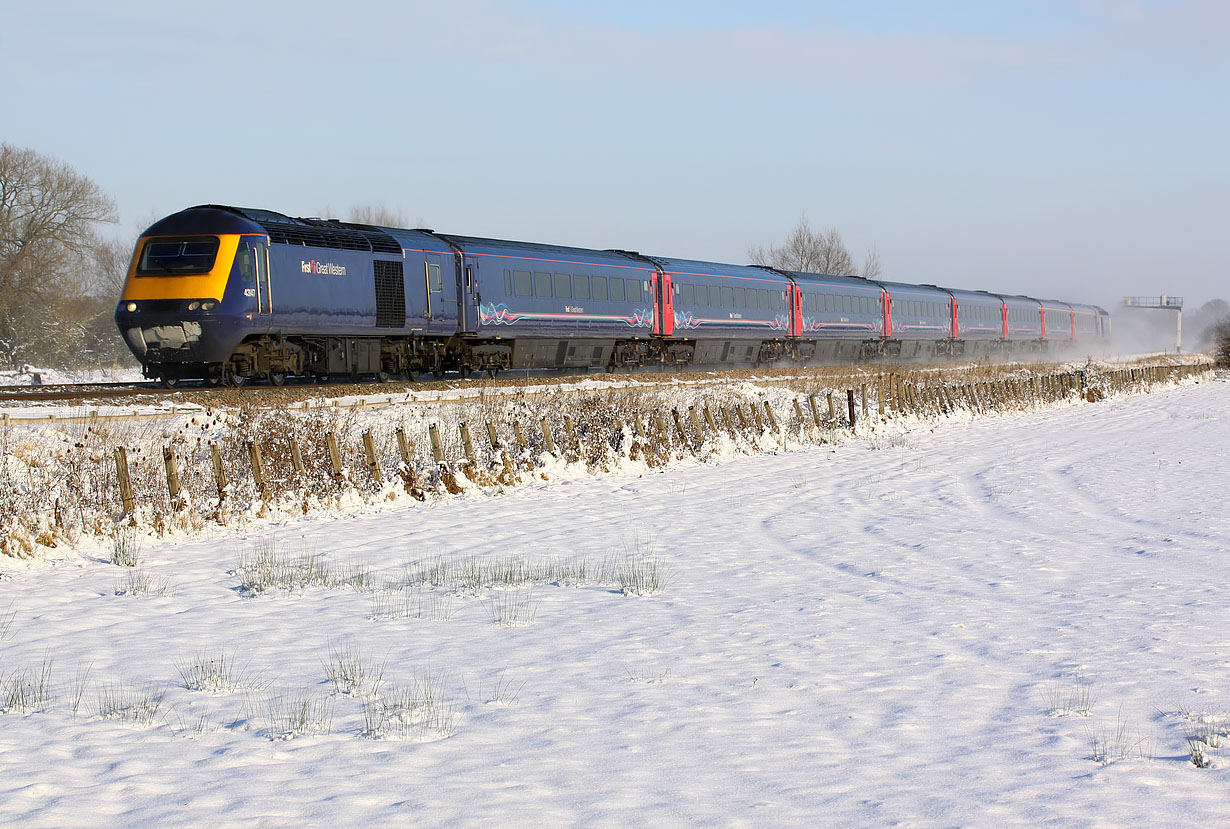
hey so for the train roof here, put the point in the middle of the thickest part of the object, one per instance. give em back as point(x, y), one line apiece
point(910, 288)
point(535, 250)
point(834, 281)
point(204, 218)
point(701, 268)
point(965, 296)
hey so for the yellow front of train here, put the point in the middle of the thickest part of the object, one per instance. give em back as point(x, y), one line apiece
point(190, 293)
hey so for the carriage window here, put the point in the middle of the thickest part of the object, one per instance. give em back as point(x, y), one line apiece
point(702, 295)
point(508, 286)
point(433, 279)
point(563, 285)
point(542, 284)
point(597, 285)
point(616, 286)
point(687, 294)
point(728, 297)
point(580, 286)
point(634, 289)
point(740, 297)
point(523, 281)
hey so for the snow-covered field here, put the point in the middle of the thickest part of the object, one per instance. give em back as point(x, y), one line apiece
point(937, 628)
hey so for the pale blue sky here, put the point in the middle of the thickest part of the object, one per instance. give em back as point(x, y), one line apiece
point(1066, 148)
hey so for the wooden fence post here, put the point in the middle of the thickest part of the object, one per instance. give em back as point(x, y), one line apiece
point(215, 455)
point(437, 448)
point(768, 410)
point(403, 447)
point(683, 435)
point(743, 424)
point(520, 436)
point(574, 445)
point(709, 419)
point(546, 434)
point(493, 437)
point(296, 456)
point(258, 470)
point(168, 460)
point(662, 434)
point(798, 412)
point(759, 418)
point(815, 410)
point(880, 395)
point(121, 474)
point(832, 409)
point(679, 427)
point(850, 405)
point(335, 456)
point(466, 444)
point(369, 451)
point(700, 432)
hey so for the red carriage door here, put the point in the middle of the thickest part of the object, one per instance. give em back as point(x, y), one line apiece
point(667, 306)
point(794, 301)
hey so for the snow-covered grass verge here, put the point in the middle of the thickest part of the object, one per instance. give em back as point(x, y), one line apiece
point(62, 486)
point(1011, 619)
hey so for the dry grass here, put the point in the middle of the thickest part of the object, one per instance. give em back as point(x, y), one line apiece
point(61, 483)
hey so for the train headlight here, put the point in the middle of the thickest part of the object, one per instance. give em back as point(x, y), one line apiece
point(208, 305)
point(132, 306)
point(194, 305)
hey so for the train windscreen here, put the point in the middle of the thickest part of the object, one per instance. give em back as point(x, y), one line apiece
point(178, 257)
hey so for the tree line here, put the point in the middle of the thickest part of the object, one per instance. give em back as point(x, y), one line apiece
point(59, 277)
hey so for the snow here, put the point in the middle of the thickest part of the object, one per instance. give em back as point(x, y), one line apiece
point(868, 633)
point(50, 376)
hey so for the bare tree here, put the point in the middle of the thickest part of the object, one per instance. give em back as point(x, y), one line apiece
point(380, 215)
point(810, 251)
point(871, 263)
point(48, 215)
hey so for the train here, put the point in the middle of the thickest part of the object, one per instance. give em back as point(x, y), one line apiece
point(229, 295)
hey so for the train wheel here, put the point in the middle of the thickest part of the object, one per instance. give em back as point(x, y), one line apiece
point(492, 372)
point(276, 378)
point(235, 380)
point(381, 377)
point(168, 382)
point(438, 373)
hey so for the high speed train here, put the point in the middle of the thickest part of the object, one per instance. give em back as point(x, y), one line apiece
point(230, 294)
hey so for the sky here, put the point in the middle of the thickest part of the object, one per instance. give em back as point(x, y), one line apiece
point(1071, 149)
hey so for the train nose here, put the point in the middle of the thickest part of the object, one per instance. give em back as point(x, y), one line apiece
point(164, 338)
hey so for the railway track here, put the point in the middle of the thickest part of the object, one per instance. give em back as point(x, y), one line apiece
point(25, 402)
point(82, 394)
point(33, 404)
